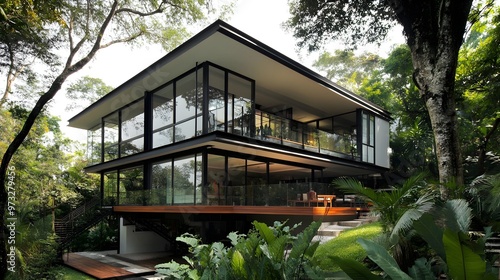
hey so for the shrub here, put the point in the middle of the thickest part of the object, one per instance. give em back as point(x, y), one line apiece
point(266, 252)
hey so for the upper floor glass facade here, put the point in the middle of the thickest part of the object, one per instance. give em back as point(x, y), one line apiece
point(211, 98)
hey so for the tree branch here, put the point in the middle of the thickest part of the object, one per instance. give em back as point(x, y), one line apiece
point(124, 40)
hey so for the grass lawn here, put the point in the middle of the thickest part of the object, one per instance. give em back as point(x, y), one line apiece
point(345, 246)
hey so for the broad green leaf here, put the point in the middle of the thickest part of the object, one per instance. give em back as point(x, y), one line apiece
point(457, 214)
point(303, 241)
point(431, 233)
point(462, 262)
point(354, 269)
point(381, 257)
point(238, 265)
point(265, 231)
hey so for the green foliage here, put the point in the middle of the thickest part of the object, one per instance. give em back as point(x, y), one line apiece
point(313, 22)
point(456, 253)
point(345, 246)
point(86, 91)
point(398, 207)
point(266, 252)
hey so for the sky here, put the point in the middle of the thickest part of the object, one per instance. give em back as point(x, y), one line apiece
point(261, 19)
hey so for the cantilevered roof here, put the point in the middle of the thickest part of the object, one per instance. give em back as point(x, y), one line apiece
point(277, 77)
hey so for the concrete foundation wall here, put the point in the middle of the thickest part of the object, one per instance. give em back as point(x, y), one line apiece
point(132, 241)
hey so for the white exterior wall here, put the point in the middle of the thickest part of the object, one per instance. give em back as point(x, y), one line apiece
point(382, 142)
point(132, 241)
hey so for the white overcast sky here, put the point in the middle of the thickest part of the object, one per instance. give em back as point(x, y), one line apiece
point(261, 19)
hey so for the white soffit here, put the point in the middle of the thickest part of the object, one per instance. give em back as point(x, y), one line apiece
point(275, 80)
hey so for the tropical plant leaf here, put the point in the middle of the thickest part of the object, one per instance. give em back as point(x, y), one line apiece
point(457, 215)
point(462, 262)
point(265, 232)
point(431, 233)
point(381, 257)
point(303, 241)
point(421, 270)
point(238, 265)
point(354, 269)
point(189, 239)
point(405, 221)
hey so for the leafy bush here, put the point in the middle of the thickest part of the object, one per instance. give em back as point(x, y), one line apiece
point(455, 254)
point(266, 252)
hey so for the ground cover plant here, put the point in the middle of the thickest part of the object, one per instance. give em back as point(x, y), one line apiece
point(345, 246)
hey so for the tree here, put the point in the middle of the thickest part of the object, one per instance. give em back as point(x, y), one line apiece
point(434, 32)
point(86, 91)
point(88, 26)
point(478, 83)
point(23, 37)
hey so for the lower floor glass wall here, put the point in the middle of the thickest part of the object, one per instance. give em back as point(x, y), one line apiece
point(212, 179)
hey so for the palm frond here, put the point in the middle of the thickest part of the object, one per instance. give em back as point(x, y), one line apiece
point(354, 186)
point(457, 215)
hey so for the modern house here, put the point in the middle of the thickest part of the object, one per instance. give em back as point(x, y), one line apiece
point(224, 130)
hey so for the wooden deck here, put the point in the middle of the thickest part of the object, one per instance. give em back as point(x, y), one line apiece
point(259, 210)
point(95, 268)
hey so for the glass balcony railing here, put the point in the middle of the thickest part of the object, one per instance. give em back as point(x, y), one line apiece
point(280, 130)
point(283, 194)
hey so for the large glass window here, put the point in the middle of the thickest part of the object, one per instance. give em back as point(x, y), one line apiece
point(94, 139)
point(236, 181)
point(216, 177)
point(111, 134)
point(132, 129)
point(216, 103)
point(131, 188)
point(161, 183)
point(110, 188)
point(188, 106)
point(368, 137)
point(163, 116)
point(257, 187)
point(240, 108)
point(184, 180)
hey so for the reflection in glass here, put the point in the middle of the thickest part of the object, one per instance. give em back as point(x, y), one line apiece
point(111, 137)
point(216, 180)
point(110, 188)
point(94, 144)
point(131, 187)
point(184, 180)
point(163, 116)
point(161, 183)
point(216, 115)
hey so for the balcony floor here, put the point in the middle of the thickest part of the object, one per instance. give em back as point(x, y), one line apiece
point(259, 210)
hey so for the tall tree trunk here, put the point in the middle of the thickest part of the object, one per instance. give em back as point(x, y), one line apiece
point(434, 31)
point(9, 153)
point(68, 70)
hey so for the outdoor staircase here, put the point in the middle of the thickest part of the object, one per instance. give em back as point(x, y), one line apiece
point(85, 216)
point(330, 230)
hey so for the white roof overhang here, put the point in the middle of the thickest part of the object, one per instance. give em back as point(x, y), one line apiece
point(277, 77)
